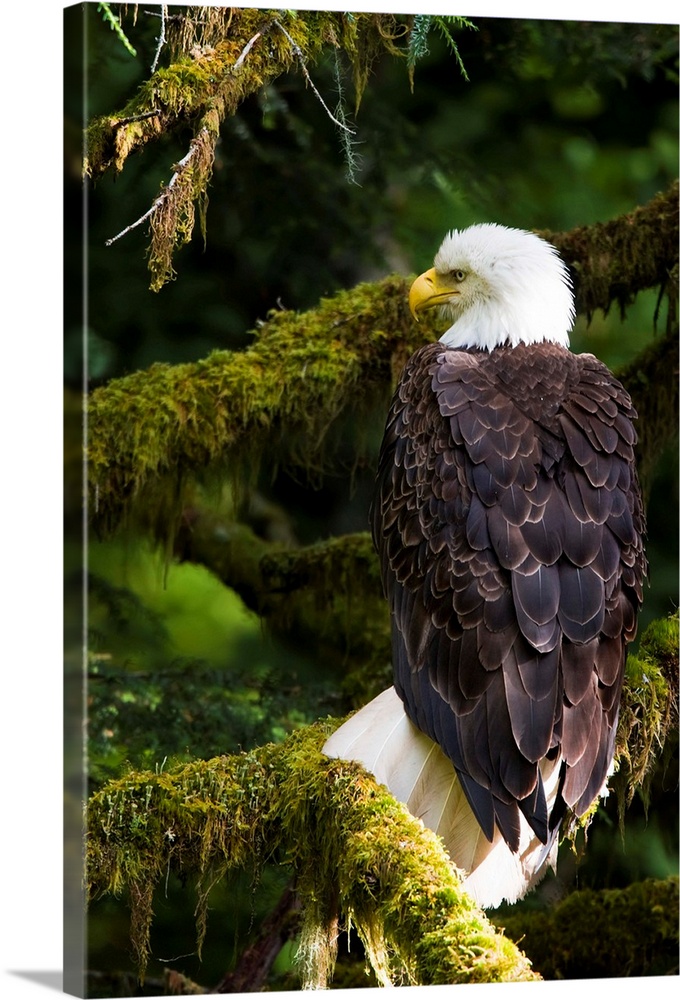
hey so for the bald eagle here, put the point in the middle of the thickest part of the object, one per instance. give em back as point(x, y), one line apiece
point(509, 525)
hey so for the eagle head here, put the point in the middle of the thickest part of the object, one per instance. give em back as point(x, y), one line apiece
point(500, 287)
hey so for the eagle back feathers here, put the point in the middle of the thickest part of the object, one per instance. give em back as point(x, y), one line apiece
point(509, 526)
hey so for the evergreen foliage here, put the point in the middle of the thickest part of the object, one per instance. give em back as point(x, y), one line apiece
point(113, 21)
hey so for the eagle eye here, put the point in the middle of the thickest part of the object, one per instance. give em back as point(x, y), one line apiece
point(458, 275)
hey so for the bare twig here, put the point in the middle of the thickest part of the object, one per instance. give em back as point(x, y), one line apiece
point(247, 48)
point(298, 52)
point(183, 163)
point(128, 229)
point(135, 118)
point(161, 37)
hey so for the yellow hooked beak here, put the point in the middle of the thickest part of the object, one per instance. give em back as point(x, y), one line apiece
point(428, 290)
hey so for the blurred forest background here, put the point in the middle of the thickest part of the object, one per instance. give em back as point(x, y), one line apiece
point(550, 125)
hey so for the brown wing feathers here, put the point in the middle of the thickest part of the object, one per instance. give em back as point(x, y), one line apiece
point(509, 524)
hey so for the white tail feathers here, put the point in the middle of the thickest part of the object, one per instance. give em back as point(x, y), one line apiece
point(382, 738)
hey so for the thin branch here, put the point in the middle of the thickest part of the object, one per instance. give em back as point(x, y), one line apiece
point(254, 965)
point(161, 37)
point(298, 52)
point(136, 118)
point(183, 163)
point(133, 225)
point(168, 17)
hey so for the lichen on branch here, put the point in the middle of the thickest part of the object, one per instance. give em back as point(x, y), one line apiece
point(356, 853)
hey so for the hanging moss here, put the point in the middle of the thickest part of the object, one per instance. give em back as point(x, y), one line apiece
point(220, 57)
point(649, 709)
point(357, 855)
point(202, 79)
point(280, 397)
point(611, 933)
point(612, 261)
point(227, 53)
point(172, 220)
point(231, 54)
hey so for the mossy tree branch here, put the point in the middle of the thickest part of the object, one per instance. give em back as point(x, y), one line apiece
point(354, 850)
point(325, 598)
point(233, 54)
point(284, 394)
point(279, 397)
point(610, 262)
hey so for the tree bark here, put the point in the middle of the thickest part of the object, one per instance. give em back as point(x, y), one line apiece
point(255, 964)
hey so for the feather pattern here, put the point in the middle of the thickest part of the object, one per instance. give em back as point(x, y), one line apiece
point(509, 525)
point(544, 530)
point(382, 738)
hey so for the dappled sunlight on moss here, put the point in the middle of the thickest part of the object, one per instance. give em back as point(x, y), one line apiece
point(356, 853)
point(358, 856)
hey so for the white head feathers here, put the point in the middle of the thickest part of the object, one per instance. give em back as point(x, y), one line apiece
point(515, 288)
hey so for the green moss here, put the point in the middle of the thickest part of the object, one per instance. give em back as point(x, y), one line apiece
point(202, 76)
point(356, 853)
point(649, 709)
point(611, 933)
point(281, 398)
